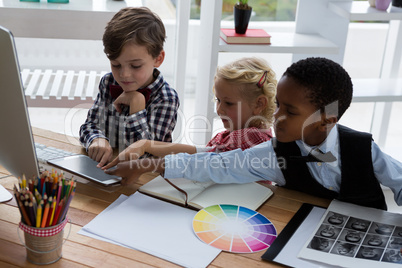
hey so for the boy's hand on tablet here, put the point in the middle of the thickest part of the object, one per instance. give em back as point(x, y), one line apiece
point(100, 151)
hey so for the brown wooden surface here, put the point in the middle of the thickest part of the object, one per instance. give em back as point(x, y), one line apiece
point(90, 200)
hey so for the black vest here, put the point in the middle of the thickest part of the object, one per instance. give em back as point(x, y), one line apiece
point(358, 182)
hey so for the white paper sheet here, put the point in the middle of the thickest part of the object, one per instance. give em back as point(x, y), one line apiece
point(117, 202)
point(156, 227)
point(4, 194)
point(353, 236)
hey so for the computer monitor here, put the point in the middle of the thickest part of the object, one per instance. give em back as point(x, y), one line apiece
point(17, 149)
point(16, 141)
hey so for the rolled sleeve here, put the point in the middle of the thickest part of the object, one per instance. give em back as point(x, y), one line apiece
point(388, 172)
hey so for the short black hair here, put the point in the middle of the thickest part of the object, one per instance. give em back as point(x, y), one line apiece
point(325, 80)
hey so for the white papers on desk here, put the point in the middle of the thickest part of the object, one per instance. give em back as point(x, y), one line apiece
point(155, 227)
point(117, 202)
point(4, 194)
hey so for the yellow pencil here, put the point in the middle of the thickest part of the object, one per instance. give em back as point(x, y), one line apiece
point(39, 214)
point(45, 214)
point(52, 215)
point(24, 181)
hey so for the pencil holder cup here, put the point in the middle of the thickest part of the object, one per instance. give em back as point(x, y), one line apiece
point(44, 245)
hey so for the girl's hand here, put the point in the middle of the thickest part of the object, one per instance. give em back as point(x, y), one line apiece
point(134, 99)
point(133, 152)
point(100, 151)
point(130, 171)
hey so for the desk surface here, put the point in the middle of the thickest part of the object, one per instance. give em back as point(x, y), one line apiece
point(89, 201)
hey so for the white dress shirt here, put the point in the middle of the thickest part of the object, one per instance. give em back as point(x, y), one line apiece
point(260, 163)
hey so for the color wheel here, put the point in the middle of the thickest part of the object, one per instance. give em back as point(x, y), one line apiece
point(234, 228)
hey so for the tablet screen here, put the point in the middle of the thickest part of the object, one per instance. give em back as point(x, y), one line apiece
point(84, 166)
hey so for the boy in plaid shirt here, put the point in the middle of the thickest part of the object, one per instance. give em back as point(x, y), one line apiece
point(134, 101)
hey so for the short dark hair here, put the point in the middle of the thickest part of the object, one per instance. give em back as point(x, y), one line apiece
point(325, 80)
point(134, 24)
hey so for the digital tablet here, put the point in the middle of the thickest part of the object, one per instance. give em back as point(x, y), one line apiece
point(85, 167)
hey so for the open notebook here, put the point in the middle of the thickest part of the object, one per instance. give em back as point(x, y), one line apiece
point(197, 195)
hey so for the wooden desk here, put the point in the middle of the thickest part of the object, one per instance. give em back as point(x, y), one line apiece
point(89, 201)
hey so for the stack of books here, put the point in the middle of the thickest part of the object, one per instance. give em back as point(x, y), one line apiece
point(252, 36)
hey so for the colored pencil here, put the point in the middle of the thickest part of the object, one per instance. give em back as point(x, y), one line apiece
point(52, 214)
point(39, 215)
point(50, 203)
point(66, 206)
point(24, 213)
point(59, 208)
point(24, 181)
point(59, 192)
point(32, 215)
point(45, 214)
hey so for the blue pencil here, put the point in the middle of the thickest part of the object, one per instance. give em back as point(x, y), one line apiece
point(65, 209)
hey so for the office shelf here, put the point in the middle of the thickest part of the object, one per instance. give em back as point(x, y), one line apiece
point(377, 90)
point(361, 11)
point(286, 43)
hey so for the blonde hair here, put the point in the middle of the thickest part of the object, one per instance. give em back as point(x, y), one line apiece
point(254, 77)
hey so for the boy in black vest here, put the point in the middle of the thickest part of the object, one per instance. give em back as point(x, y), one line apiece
point(311, 152)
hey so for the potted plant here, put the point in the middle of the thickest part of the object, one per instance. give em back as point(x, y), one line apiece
point(242, 14)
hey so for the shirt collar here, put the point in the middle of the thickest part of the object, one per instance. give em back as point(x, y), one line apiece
point(328, 145)
point(157, 83)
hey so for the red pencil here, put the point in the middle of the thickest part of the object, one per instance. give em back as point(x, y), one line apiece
point(57, 215)
point(52, 206)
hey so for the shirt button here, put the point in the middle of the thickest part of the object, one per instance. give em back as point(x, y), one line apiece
point(319, 164)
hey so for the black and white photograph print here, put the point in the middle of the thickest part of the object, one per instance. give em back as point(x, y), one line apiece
point(328, 231)
point(381, 228)
point(358, 224)
point(336, 219)
point(395, 243)
point(376, 240)
point(351, 236)
point(370, 253)
point(344, 249)
point(321, 244)
point(393, 256)
point(398, 231)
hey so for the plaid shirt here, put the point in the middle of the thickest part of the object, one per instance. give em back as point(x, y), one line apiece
point(242, 138)
point(155, 122)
